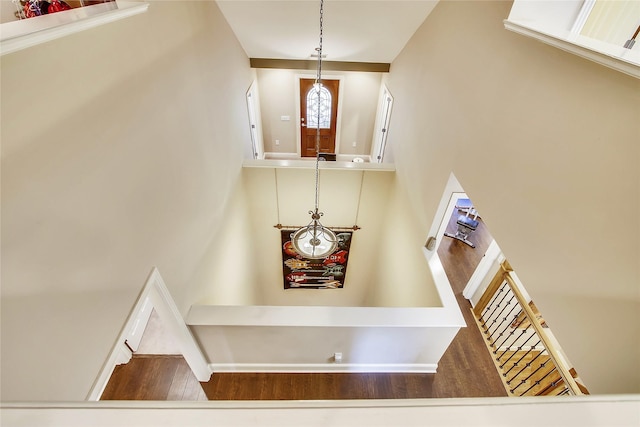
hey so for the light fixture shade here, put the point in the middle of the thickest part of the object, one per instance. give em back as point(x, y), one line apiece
point(314, 241)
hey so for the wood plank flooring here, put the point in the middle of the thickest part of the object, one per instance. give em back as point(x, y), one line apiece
point(465, 370)
point(326, 386)
point(153, 377)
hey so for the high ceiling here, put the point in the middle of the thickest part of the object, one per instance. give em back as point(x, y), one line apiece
point(354, 30)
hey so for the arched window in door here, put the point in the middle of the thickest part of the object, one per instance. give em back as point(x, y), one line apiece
point(321, 103)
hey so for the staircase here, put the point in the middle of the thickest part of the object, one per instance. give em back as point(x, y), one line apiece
point(528, 360)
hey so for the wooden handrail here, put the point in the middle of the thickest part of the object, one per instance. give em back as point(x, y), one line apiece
point(553, 353)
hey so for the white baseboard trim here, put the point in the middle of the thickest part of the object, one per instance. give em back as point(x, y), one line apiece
point(423, 368)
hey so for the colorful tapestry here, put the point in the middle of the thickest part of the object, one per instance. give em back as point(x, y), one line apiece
point(304, 273)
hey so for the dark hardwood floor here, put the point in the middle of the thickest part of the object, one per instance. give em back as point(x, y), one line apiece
point(153, 377)
point(465, 370)
point(326, 386)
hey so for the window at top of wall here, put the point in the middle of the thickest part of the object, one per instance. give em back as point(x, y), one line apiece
point(599, 30)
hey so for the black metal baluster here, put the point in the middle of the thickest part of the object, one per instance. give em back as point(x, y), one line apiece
point(542, 365)
point(526, 365)
point(537, 382)
point(498, 316)
point(520, 360)
point(508, 323)
point(518, 350)
point(502, 288)
point(551, 385)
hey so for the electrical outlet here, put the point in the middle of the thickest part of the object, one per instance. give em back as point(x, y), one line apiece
point(277, 142)
point(354, 144)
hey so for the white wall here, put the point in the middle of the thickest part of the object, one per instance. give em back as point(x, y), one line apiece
point(311, 349)
point(117, 155)
point(305, 338)
point(279, 97)
point(584, 411)
point(546, 145)
point(556, 15)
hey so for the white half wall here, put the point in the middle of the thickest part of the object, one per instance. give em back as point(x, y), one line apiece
point(304, 339)
point(584, 411)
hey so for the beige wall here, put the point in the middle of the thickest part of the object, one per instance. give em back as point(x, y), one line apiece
point(117, 155)
point(279, 97)
point(402, 275)
point(385, 269)
point(546, 145)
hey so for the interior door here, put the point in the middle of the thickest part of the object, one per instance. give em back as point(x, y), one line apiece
point(327, 105)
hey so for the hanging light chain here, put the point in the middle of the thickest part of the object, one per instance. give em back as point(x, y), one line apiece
point(314, 240)
point(320, 43)
point(319, 89)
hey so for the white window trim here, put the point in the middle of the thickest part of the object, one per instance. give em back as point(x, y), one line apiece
point(559, 24)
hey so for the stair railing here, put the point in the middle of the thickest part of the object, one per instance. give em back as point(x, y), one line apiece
point(526, 357)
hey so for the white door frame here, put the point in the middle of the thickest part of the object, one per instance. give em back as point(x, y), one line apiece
point(157, 293)
point(255, 121)
point(139, 325)
point(452, 192)
point(450, 195)
point(381, 129)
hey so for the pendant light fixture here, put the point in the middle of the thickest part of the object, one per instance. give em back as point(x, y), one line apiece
point(314, 240)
